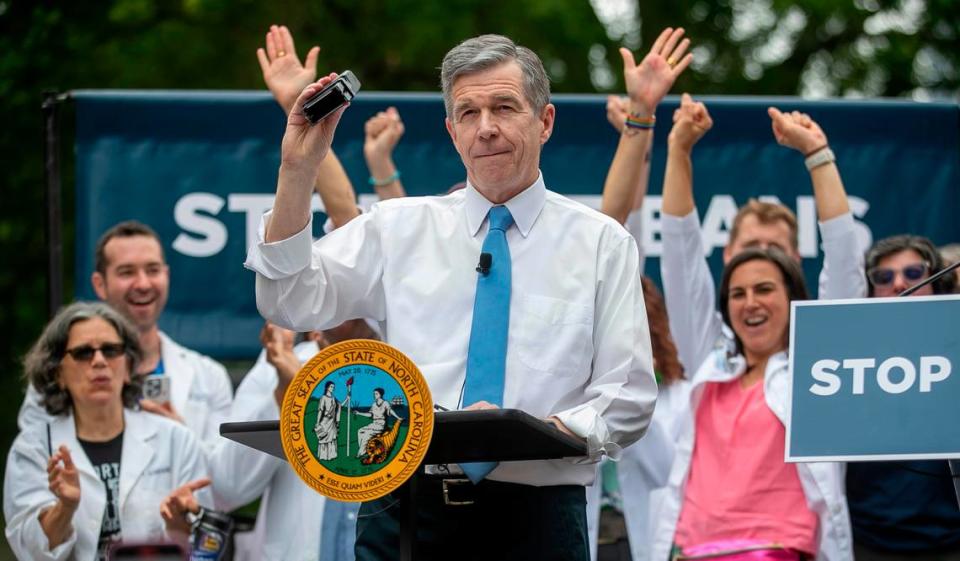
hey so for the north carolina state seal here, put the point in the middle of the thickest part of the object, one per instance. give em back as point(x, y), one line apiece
point(357, 420)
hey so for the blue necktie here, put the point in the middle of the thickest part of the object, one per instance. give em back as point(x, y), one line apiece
point(487, 354)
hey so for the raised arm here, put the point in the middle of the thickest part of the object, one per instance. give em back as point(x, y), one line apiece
point(381, 134)
point(842, 275)
point(690, 122)
point(303, 148)
point(798, 131)
point(618, 107)
point(57, 521)
point(688, 287)
point(646, 83)
point(286, 78)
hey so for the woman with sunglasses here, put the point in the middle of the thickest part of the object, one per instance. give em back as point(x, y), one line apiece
point(98, 472)
point(897, 263)
point(729, 492)
point(904, 510)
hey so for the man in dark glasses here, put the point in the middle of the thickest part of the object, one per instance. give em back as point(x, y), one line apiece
point(131, 274)
point(903, 510)
point(896, 263)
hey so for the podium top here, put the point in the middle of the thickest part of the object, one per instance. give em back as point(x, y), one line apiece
point(459, 436)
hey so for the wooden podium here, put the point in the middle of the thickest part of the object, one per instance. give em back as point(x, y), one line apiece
point(502, 435)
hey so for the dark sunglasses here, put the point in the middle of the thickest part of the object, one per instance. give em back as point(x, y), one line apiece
point(85, 353)
point(882, 276)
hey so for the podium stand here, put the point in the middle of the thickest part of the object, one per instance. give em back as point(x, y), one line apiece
point(502, 435)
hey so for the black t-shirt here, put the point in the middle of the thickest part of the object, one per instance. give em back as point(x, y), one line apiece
point(105, 457)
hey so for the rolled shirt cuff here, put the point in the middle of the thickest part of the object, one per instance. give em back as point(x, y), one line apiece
point(584, 422)
point(280, 259)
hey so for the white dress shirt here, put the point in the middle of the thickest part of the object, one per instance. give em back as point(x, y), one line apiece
point(578, 344)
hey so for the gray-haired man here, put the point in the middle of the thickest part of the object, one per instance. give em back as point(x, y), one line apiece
point(563, 338)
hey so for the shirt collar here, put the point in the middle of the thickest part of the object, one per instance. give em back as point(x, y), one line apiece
point(525, 207)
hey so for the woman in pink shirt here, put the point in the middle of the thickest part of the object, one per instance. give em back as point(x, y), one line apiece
point(730, 493)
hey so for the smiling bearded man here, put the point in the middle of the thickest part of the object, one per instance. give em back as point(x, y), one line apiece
point(132, 276)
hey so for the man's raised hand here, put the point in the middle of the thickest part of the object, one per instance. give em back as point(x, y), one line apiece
point(690, 122)
point(796, 130)
point(649, 81)
point(304, 145)
point(282, 71)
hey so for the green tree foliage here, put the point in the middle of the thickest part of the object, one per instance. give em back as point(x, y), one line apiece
point(819, 48)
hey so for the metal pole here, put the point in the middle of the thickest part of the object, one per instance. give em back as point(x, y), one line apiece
point(54, 217)
point(955, 475)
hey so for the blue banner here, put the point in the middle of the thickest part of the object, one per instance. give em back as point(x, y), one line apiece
point(200, 167)
point(875, 379)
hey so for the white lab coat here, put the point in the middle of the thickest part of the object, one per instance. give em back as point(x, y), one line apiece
point(822, 482)
point(643, 468)
point(158, 456)
point(291, 513)
point(200, 390)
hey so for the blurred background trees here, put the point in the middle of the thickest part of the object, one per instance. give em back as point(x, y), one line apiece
point(815, 48)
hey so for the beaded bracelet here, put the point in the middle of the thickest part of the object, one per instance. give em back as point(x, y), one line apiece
point(384, 182)
point(638, 122)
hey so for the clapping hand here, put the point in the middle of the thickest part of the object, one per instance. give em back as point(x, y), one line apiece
point(64, 479)
point(278, 344)
point(690, 122)
point(649, 81)
point(282, 71)
point(179, 502)
point(796, 130)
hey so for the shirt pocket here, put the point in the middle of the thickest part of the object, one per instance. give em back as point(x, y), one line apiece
point(555, 336)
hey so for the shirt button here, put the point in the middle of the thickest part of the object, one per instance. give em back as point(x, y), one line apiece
point(351, 516)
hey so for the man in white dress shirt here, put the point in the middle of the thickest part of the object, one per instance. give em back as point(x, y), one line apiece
point(577, 343)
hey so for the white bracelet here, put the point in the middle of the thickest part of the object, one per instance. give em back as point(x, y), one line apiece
point(821, 157)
